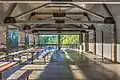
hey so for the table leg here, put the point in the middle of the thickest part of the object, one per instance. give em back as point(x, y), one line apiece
point(32, 58)
point(44, 60)
point(13, 57)
point(20, 58)
point(37, 55)
point(27, 56)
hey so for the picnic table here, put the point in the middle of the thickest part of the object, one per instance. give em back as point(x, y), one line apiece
point(31, 51)
point(19, 54)
point(5, 67)
point(3, 55)
point(20, 75)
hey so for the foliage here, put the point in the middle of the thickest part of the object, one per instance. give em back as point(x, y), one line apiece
point(65, 39)
point(53, 39)
point(12, 39)
point(69, 39)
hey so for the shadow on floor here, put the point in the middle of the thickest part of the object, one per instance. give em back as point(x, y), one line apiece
point(92, 69)
point(57, 69)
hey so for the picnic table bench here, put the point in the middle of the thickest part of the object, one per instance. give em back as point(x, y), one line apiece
point(31, 51)
point(37, 70)
point(44, 55)
point(3, 55)
point(19, 54)
point(4, 67)
point(20, 75)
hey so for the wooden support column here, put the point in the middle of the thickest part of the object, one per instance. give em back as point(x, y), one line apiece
point(34, 39)
point(94, 42)
point(81, 41)
point(25, 39)
point(89, 19)
point(38, 40)
point(7, 42)
point(87, 41)
point(114, 34)
point(114, 43)
point(59, 45)
point(102, 44)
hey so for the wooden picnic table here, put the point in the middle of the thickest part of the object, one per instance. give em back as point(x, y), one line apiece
point(19, 54)
point(3, 55)
point(5, 67)
point(20, 75)
point(32, 51)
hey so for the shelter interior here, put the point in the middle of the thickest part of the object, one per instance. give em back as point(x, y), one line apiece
point(59, 40)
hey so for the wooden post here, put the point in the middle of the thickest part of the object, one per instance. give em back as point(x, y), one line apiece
point(114, 35)
point(25, 40)
point(38, 40)
point(59, 47)
point(114, 43)
point(102, 44)
point(87, 41)
point(81, 41)
point(34, 39)
point(94, 42)
point(7, 42)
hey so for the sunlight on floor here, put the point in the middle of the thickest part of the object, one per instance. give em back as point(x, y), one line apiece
point(77, 73)
point(67, 56)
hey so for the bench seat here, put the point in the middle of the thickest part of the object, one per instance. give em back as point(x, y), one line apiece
point(3, 63)
point(20, 75)
point(16, 75)
point(35, 75)
point(6, 66)
point(3, 56)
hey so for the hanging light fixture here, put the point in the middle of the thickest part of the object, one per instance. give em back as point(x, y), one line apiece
point(26, 27)
point(91, 27)
point(9, 20)
point(34, 31)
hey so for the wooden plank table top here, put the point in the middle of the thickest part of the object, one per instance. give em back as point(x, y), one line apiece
point(3, 56)
point(33, 67)
point(20, 52)
point(16, 53)
point(3, 63)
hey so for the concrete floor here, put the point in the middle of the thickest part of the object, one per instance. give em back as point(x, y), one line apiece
point(74, 66)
